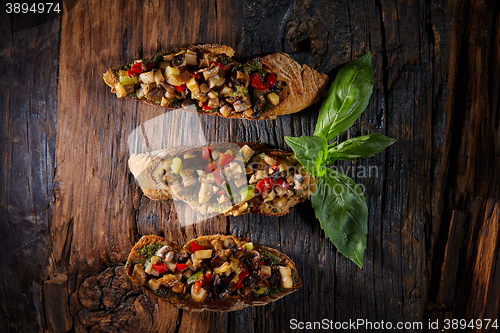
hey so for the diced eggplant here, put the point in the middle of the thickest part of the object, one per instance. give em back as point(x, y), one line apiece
point(239, 105)
point(153, 284)
point(217, 261)
point(191, 58)
point(179, 60)
point(156, 94)
point(139, 276)
point(226, 110)
point(205, 193)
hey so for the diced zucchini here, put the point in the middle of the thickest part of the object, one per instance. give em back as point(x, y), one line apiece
point(125, 80)
point(176, 165)
point(247, 193)
point(261, 291)
point(194, 277)
point(169, 71)
point(222, 269)
point(248, 246)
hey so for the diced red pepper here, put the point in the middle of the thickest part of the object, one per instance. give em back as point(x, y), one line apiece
point(130, 73)
point(221, 192)
point(210, 168)
point(180, 88)
point(271, 80)
point(193, 247)
point(260, 264)
point(242, 276)
point(225, 159)
point(181, 267)
point(256, 82)
point(206, 153)
point(196, 75)
point(136, 68)
point(197, 285)
point(275, 166)
point(263, 185)
point(206, 107)
point(206, 279)
point(160, 268)
point(218, 176)
point(281, 182)
point(221, 66)
point(150, 65)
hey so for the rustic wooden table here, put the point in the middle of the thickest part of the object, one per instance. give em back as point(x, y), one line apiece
point(70, 210)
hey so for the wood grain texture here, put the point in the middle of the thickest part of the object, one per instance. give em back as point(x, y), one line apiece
point(28, 103)
point(70, 210)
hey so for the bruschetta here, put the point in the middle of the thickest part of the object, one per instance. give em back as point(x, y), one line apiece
point(229, 179)
point(208, 80)
point(217, 272)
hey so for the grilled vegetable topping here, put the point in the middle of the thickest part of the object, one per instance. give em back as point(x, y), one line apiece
point(219, 270)
point(213, 83)
point(231, 180)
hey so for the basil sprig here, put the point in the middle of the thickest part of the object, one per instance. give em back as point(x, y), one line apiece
point(338, 202)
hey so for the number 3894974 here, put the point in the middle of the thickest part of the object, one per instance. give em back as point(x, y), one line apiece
point(35, 8)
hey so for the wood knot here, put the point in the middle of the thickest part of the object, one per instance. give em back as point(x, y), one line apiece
point(309, 35)
point(110, 302)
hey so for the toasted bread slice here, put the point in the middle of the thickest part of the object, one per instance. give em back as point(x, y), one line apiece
point(220, 280)
point(206, 79)
point(230, 179)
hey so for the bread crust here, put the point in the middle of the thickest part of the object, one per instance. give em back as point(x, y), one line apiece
point(146, 168)
point(222, 305)
point(303, 85)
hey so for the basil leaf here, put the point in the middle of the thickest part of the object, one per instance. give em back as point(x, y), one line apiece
point(310, 151)
point(359, 147)
point(347, 98)
point(341, 209)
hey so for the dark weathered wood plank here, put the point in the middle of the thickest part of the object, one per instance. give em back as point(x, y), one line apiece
point(29, 67)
